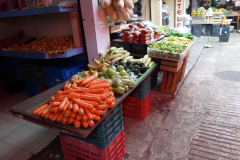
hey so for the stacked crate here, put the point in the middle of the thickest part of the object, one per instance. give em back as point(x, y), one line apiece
point(197, 30)
point(105, 142)
point(216, 30)
point(138, 103)
point(224, 34)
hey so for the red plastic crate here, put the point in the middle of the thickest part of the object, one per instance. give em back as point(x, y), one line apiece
point(138, 108)
point(74, 149)
point(42, 87)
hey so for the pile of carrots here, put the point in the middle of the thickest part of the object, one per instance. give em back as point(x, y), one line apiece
point(80, 103)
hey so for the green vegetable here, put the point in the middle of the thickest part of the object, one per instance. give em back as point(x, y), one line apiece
point(119, 68)
point(104, 70)
point(95, 73)
point(111, 72)
point(113, 67)
point(132, 83)
point(110, 81)
point(116, 76)
point(125, 77)
point(123, 73)
point(79, 77)
point(125, 88)
point(101, 77)
point(71, 80)
point(107, 76)
point(126, 81)
point(117, 82)
point(118, 90)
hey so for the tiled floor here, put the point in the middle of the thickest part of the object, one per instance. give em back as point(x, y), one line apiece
point(19, 139)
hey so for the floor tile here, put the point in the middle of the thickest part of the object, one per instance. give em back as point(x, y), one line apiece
point(21, 135)
point(37, 142)
point(7, 128)
point(5, 149)
point(9, 117)
point(17, 154)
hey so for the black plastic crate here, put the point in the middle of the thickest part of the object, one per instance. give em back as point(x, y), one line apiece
point(115, 35)
point(143, 89)
point(106, 131)
point(154, 78)
point(224, 39)
point(120, 44)
point(225, 31)
point(216, 26)
point(28, 72)
point(208, 30)
point(32, 88)
point(140, 49)
point(197, 30)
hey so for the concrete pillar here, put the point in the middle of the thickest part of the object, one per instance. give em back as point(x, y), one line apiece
point(156, 12)
point(95, 26)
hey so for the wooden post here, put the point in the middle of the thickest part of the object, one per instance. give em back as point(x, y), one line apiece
point(95, 26)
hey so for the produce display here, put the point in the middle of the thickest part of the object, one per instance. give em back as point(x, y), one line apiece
point(172, 33)
point(83, 100)
point(46, 44)
point(218, 12)
point(117, 9)
point(170, 48)
point(138, 33)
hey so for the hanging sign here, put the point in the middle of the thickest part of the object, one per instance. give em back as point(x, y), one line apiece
point(179, 11)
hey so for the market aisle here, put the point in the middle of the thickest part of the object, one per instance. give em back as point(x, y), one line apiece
point(204, 119)
point(19, 139)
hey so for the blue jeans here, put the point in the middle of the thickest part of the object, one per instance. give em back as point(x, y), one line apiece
point(167, 21)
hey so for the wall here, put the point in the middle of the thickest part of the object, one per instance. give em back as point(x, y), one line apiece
point(156, 12)
point(146, 10)
point(171, 5)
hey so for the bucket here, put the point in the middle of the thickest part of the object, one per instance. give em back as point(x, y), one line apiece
point(231, 28)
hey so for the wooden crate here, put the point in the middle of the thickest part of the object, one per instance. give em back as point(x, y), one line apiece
point(216, 20)
point(173, 73)
point(197, 20)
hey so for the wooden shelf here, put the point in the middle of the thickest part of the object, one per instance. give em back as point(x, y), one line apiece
point(234, 22)
point(37, 11)
point(41, 55)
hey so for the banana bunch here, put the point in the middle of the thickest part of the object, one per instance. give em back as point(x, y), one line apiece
point(97, 67)
point(115, 54)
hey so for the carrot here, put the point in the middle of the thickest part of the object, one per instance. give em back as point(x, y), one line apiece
point(78, 117)
point(102, 85)
point(104, 113)
point(89, 79)
point(111, 105)
point(83, 104)
point(60, 117)
point(47, 114)
point(93, 110)
point(69, 85)
point(55, 104)
point(45, 110)
point(70, 120)
point(93, 116)
point(84, 124)
point(60, 98)
point(104, 102)
point(79, 81)
point(75, 108)
point(51, 109)
point(55, 110)
point(40, 108)
point(98, 112)
point(51, 116)
point(75, 86)
point(50, 101)
point(59, 92)
point(77, 123)
point(100, 107)
point(110, 89)
point(73, 115)
point(55, 117)
point(91, 102)
point(66, 84)
point(97, 117)
point(53, 98)
point(67, 88)
point(84, 117)
point(87, 85)
point(109, 101)
point(94, 91)
point(100, 82)
point(62, 104)
point(88, 113)
point(107, 106)
point(70, 106)
point(73, 90)
point(90, 98)
point(81, 111)
point(101, 96)
point(65, 120)
point(90, 123)
point(67, 113)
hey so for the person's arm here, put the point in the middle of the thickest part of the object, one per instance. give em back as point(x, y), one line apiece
point(168, 12)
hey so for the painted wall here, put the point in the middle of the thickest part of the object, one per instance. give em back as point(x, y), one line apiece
point(146, 10)
point(171, 5)
point(156, 12)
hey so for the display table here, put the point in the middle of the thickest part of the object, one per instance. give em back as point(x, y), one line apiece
point(24, 109)
point(234, 15)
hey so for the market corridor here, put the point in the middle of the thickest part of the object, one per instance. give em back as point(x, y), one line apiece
point(204, 119)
